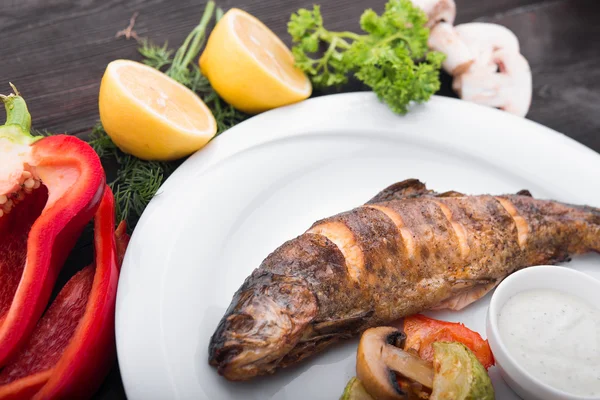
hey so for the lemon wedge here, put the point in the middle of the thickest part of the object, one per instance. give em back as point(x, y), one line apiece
point(250, 67)
point(150, 115)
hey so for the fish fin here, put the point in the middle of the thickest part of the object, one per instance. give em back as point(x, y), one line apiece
point(401, 190)
point(524, 192)
point(463, 298)
point(594, 215)
point(450, 193)
point(351, 322)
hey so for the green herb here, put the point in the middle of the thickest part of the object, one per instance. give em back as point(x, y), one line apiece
point(392, 57)
point(38, 132)
point(155, 56)
point(101, 142)
point(189, 50)
point(137, 181)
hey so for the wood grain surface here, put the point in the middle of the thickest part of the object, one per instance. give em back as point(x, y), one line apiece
point(55, 52)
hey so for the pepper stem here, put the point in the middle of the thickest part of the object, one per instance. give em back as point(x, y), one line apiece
point(18, 119)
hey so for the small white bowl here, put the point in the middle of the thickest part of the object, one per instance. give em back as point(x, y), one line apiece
point(564, 279)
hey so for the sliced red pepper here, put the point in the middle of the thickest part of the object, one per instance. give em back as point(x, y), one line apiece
point(50, 189)
point(421, 332)
point(73, 345)
point(122, 241)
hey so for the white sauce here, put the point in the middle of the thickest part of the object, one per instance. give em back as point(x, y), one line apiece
point(556, 337)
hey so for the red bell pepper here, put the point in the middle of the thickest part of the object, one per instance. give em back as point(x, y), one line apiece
point(421, 332)
point(122, 241)
point(73, 345)
point(50, 189)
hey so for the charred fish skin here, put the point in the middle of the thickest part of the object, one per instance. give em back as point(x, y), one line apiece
point(405, 251)
point(265, 319)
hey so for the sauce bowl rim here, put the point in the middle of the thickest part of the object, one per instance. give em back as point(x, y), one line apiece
point(493, 331)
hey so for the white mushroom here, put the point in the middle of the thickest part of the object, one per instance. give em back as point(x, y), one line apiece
point(482, 39)
point(380, 357)
point(444, 39)
point(509, 88)
point(437, 10)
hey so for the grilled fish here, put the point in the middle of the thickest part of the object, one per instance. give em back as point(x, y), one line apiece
point(407, 250)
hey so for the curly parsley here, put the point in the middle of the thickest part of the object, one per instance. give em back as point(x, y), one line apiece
point(392, 57)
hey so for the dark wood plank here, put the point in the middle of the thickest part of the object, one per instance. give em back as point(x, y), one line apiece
point(56, 52)
point(560, 40)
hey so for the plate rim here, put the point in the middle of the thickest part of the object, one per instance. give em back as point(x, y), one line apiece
point(244, 136)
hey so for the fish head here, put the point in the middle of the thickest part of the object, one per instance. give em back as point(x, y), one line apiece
point(266, 319)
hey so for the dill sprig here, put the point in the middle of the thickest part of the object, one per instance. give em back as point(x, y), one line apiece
point(41, 132)
point(137, 181)
point(155, 56)
point(189, 50)
point(101, 142)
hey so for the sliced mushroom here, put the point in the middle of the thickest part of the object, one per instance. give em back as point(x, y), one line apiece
point(483, 39)
point(481, 36)
point(437, 10)
point(380, 358)
point(444, 39)
point(508, 89)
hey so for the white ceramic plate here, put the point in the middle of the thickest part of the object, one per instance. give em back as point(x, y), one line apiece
point(266, 181)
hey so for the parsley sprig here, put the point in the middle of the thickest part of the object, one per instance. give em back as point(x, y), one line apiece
point(392, 57)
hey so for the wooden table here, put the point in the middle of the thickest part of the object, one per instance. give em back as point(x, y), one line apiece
point(56, 52)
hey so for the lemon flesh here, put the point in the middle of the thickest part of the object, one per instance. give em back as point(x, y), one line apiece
point(250, 67)
point(150, 115)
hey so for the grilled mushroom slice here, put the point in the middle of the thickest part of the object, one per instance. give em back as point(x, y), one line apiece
point(380, 357)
